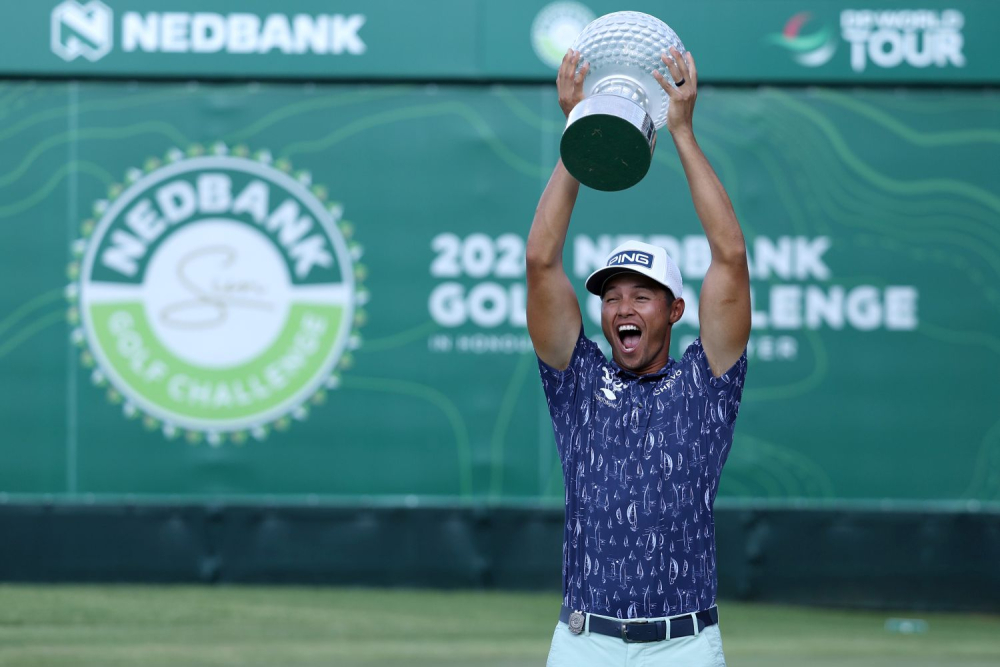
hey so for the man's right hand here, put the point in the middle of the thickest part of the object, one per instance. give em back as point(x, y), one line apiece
point(569, 82)
point(553, 312)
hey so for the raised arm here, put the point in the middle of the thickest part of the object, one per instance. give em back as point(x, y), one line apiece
point(553, 311)
point(724, 302)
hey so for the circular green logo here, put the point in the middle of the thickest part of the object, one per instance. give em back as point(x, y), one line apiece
point(556, 27)
point(216, 295)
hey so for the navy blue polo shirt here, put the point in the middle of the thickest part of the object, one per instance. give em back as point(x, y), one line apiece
point(641, 458)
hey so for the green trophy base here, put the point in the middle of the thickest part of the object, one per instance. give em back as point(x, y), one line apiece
point(608, 143)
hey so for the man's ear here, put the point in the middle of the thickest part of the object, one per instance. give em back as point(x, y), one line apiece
point(676, 311)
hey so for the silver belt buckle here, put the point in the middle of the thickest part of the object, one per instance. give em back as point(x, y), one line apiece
point(576, 622)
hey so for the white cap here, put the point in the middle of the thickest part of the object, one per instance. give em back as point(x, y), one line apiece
point(642, 258)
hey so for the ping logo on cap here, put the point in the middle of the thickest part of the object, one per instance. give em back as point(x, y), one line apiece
point(632, 257)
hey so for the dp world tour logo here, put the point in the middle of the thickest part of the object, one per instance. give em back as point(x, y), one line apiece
point(215, 294)
point(813, 49)
point(81, 30)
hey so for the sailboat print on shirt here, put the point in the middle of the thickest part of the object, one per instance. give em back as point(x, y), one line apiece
point(641, 458)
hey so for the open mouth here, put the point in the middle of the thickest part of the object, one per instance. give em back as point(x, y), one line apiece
point(629, 335)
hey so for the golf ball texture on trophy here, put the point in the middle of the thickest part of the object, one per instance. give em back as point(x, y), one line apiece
point(623, 50)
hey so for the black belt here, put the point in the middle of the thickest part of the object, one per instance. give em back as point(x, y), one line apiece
point(634, 632)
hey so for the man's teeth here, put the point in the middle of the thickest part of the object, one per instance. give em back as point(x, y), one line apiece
point(627, 327)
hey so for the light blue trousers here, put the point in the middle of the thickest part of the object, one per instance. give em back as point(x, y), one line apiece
point(593, 650)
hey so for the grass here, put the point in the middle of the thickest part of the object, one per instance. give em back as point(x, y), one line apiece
point(113, 626)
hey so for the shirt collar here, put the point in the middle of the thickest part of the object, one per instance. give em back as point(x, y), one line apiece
point(625, 373)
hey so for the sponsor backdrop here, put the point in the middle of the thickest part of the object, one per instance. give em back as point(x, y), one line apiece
point(296, 290)
point(770, 40)
point(315, 291)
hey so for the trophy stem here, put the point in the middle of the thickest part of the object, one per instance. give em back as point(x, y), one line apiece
point(608, 142)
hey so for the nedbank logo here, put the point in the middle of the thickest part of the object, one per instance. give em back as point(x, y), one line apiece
point(81, 30)
point(812, 49)
point(216, 295)
point(86, 30)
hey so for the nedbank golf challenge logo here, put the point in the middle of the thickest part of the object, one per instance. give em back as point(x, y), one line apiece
point(812, 49)
point(556, 27)
point(215, 294)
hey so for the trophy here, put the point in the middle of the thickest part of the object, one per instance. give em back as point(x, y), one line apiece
point(609, 136)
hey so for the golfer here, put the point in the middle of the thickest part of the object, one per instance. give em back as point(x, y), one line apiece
point(643, 437)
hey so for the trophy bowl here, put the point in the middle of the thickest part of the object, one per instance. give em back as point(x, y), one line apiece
point(609, 136)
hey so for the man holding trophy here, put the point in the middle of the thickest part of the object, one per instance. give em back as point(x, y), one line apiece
point(642, 438)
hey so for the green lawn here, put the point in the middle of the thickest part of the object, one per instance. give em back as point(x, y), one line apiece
point(110, 626)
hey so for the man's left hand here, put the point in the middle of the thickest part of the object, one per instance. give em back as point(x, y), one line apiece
point(683, 93)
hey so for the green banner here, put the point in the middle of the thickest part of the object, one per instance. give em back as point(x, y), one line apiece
point(317, 291)
point(809, 41)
